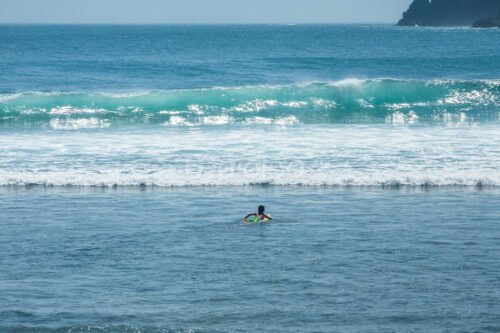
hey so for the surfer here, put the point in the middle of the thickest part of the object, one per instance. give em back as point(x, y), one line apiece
point(258, 217)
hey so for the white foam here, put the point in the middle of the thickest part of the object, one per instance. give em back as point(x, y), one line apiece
point(70, 110)
point(196, 108)
point(170, 178)
point(217, 120)
point(399, 117)
point(321, 102)
point(258, 120)
point(365, 104)
point(295, 104)
point(351, 82)
point(130, 94)
point(76, 124)
point(398, 106)
point(178, 121)
point(209, 120)
point(33, 111)
point(170, 112)
point(469, 97)
point(9, 97)
point(283, 121)
point(340, 154)
point(286, 121)
point(254, 106)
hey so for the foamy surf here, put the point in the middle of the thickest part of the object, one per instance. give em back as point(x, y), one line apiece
point(306, 178)
point(280, 153)
point(345, 101)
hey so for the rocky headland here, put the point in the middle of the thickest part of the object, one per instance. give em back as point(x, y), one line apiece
point(478, 13)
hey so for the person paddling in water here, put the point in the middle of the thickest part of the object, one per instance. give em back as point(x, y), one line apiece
point(259, 217)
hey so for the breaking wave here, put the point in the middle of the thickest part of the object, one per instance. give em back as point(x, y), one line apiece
point(347, 101)
point(171, 178)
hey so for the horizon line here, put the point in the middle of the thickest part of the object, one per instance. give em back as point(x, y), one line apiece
point(193, 23)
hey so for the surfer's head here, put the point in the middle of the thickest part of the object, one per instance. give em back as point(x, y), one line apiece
point(261, 210)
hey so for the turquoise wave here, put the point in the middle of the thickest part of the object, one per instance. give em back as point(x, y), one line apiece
point(347, 101)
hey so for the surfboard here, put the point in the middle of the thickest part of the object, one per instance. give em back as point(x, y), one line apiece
point(257, 220)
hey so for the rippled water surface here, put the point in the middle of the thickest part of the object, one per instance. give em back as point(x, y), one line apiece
point(180, 260)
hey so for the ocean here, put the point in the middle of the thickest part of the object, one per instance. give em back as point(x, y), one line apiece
point(129, 155)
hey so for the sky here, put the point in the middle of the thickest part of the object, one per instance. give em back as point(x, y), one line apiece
point(201, 11)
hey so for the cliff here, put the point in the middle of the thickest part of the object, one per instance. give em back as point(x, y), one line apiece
point(449, 12)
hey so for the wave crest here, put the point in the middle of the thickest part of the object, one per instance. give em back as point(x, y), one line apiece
point(346, 101)
point(171, 178)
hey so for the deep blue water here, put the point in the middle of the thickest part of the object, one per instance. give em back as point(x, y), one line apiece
point(69, 58)
point(129, 154)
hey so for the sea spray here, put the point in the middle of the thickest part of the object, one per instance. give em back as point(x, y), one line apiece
point(347, 101)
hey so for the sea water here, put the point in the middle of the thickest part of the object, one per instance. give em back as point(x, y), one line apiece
point(129, 154)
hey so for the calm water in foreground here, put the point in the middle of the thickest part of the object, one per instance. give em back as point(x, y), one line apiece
point(179, 260)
